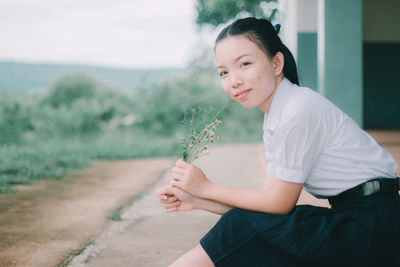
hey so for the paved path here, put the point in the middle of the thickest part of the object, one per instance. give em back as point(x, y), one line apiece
point(42, 224)
point(147, 236)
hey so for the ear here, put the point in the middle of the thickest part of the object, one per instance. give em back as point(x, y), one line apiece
point(278, 63)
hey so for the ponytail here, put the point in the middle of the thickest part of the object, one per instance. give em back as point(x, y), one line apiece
point(289, 67)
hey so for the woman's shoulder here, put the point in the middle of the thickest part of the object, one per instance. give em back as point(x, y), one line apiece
point(307, 109)
point(305, 101)
point(305, 96)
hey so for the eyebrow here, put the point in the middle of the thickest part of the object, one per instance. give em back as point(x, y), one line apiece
point(239, 57)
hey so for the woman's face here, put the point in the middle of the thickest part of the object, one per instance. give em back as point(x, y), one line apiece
point(248, 75)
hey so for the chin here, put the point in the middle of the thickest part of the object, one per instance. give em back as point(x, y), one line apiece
point(247, 106)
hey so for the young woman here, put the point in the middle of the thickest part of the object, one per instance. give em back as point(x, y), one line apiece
point(309, 143)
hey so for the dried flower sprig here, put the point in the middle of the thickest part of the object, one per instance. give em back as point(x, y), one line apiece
point(200, 141)
point(195, 144)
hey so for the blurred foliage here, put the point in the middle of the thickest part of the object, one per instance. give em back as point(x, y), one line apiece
point(14, 118)
point(81, 118)
point(71, 88)
point(217, 12)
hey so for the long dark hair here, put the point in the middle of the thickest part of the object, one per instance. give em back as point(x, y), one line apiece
point(262, 33)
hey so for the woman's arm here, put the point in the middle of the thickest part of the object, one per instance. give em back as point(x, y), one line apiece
point(211, 206)
point(219, 208)
point(182, 201)
point(281, 198)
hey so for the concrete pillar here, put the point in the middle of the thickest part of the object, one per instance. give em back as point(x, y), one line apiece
point(340, 54)
point(288, 32)
point(307, 43)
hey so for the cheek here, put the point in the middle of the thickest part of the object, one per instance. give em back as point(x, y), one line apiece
point(258, 76)
point(264, 79)
point(225, 87)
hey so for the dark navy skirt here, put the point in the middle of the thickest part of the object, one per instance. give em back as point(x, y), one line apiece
point(356, 232)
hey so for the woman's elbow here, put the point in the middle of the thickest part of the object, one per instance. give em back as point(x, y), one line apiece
point(285, 210)
point(277, 204)
point(282, 210)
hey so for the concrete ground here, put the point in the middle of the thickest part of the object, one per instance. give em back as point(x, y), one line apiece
point(147, 236)
point(44, 224)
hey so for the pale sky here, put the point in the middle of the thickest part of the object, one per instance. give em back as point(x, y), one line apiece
point(119, 33)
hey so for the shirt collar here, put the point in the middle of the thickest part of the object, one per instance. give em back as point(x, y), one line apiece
point(279, 101)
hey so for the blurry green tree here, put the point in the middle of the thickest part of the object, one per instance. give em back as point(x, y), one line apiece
point(80, 104)
point(71, 87)
point(14, 119)
point(216, 12)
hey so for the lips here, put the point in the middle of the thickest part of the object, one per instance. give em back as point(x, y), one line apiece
point(242, 94)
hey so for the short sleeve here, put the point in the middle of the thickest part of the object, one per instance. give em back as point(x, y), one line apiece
point(296, 144)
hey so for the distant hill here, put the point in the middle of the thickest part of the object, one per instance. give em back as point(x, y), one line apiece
point(20, 77)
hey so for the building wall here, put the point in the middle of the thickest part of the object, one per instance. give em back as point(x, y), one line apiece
point(340, 74)
point(307, 60)
point(381, 64)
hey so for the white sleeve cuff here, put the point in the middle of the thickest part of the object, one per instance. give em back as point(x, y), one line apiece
point(290, 175)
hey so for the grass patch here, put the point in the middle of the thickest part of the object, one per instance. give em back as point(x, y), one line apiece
point(89, 243)
point(25, 164)
point(141, 194)
point(115, 216)
point(76, 252)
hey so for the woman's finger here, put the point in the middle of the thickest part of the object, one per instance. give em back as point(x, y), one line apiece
point(171, 209)
point(180, 163)
point(176, 183)
point(166, 199)
point(179, 171)
point(163, 190)
point(177, 176)
point(171, 205)
point(159, 191)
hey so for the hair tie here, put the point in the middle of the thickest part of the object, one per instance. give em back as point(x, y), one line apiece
point(277, 27)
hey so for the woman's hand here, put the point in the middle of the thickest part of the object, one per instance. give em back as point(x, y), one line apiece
point(190, 179)
point(180, 201)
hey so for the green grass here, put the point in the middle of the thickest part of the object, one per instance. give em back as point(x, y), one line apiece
point(76, 252)
point(89, 243)
point(25, 164)
point(115, 216)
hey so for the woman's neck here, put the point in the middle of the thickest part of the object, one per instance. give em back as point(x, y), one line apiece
point(266, 105)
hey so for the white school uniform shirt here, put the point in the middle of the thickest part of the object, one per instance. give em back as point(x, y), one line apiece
point(307, 139)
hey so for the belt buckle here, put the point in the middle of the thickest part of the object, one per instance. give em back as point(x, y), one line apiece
point(371, 187)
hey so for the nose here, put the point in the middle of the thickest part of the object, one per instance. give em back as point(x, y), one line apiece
point(236, 80)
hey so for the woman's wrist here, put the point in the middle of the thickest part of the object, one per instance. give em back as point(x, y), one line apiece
point(198, 203)
point(210, 206)
point(207, 193)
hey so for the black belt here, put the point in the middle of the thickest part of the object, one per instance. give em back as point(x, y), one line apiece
point(371, 187)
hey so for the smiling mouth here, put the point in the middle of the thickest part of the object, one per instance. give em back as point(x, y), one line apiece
point(242, 95)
